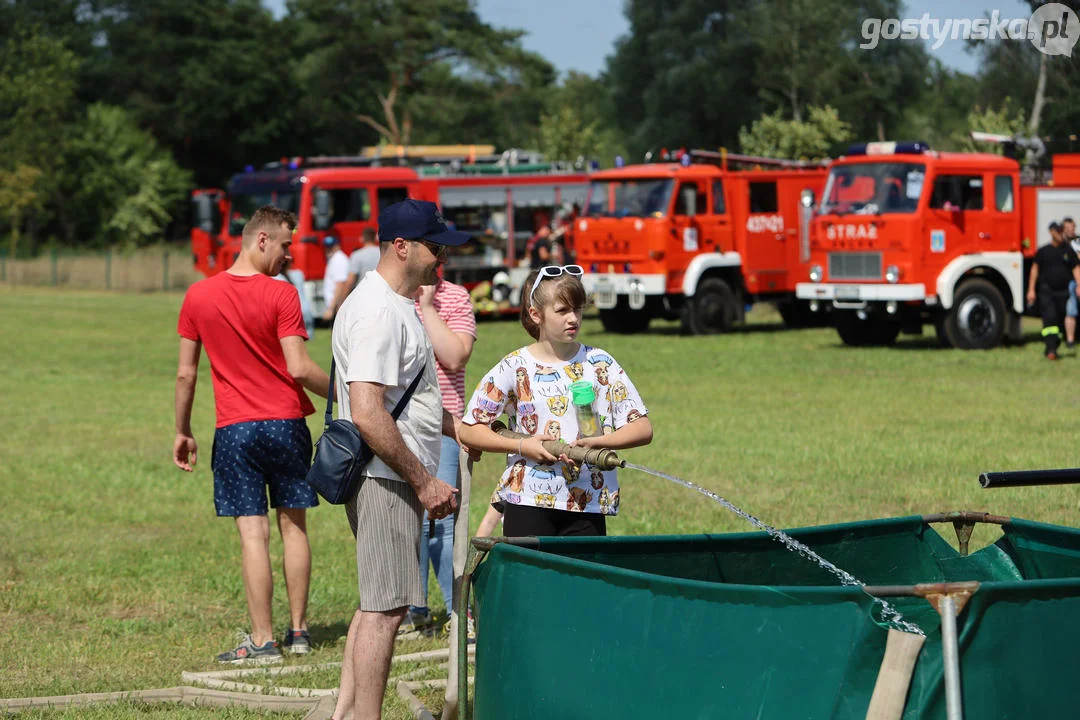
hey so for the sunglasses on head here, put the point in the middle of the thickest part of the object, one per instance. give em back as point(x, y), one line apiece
point(554, 271)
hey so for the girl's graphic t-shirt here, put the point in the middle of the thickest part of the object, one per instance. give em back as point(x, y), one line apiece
point(536, 399)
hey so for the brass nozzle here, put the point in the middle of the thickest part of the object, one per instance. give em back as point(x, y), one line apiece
point(601, 458)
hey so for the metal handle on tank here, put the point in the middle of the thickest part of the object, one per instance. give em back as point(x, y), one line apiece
point(1023, 478)
point(601, 458)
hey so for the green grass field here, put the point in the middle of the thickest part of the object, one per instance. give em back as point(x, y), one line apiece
point(116, 575)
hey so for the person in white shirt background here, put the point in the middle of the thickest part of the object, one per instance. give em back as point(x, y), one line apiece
point(335, 286)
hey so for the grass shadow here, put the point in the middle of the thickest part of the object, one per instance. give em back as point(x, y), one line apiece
point(328, 634)
point(929, 341)
point(676, 330)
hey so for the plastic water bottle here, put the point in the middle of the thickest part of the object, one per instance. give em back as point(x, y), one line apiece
point(583, 396)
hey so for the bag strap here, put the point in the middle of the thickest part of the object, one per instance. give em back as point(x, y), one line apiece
point(329, 417)
point(408, 394)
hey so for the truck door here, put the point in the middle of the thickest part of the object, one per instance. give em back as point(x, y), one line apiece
point(691, 207)
point(765, 257)
point(716, 225)
point(957, 222)
point(1005, 214)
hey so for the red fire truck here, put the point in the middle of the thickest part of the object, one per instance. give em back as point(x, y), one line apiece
point(905, 236)
point(697, 239)
point(501, 199)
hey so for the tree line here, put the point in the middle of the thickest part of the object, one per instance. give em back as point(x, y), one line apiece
point(111, 111)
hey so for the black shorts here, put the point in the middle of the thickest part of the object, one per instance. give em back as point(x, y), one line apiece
point(526, 520)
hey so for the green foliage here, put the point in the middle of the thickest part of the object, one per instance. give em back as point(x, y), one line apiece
point(773, 136)
point(419, 71)
point(940, 117)
point(38, 78)
point(213, 79)
point(18, 196)
point(129, 186)
point(1007, 120)
point(684, 75)
point(563, 134)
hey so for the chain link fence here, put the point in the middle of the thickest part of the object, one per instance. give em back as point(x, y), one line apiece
point(145, 270)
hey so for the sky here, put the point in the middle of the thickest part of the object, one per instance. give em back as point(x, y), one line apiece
point(580, 34)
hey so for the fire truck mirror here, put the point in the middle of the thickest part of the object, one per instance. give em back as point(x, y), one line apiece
point(688, 200)
point(807, 198)
point(322, 211)
point(205, 209)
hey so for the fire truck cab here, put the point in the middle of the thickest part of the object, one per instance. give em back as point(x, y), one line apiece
point(904, 236)
point(696, 240)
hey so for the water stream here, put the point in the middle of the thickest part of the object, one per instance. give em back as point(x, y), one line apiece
point(889, 614)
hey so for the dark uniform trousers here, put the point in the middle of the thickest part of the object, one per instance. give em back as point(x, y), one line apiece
point(1052, 309)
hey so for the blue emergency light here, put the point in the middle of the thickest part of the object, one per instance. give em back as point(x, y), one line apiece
point(914, 147)
point(684, 160)
point(619, 162)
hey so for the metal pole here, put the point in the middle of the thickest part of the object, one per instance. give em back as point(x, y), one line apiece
point(165, 271)
point(55, 273)
point(458, 622)
point(108, 268)
point(511, 241)
point(1023, 478)
point(950, 652)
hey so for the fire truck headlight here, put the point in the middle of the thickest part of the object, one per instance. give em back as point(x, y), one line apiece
point(816, 273)
point(892, 274)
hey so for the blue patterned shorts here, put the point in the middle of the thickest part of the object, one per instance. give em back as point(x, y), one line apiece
point(250, 457)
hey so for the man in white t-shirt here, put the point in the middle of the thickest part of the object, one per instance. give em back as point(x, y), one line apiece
point(379, 348)
point(337, 273)
point(363, 260)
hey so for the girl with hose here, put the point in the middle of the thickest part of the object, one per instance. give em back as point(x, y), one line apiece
point(542, 494)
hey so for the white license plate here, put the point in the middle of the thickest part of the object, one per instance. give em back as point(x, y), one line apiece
point(847, 292)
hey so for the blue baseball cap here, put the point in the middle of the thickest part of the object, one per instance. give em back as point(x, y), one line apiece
point(417, 220)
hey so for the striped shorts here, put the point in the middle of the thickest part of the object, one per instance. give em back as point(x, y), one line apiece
point(385, 516)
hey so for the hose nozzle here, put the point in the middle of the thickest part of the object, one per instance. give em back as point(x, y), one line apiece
point(601, 458)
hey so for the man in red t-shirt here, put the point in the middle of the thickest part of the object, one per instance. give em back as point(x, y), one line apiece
point(253, 331)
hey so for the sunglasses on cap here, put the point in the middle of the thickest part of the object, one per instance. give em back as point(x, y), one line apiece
point(554, 271)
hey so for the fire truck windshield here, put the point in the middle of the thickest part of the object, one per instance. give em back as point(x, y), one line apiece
point(873, 188)
point(253, 198)
point(647, 197)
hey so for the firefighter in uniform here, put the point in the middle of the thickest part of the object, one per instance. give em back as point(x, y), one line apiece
point(1053, 267)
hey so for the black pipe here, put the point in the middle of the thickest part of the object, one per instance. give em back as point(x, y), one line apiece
point(1023, 478)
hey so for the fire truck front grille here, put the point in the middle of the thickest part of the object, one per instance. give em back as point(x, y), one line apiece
point(855, 266)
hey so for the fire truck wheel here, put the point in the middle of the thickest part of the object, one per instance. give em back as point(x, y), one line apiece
point(976, 320)
point(623, 320)
point(712, 309)
point(864, 333)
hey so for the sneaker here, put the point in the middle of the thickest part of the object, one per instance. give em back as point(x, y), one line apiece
point(416, 620)
point(1070, 345)
point(248, 654)
point(297, 642)
point(1051, 356)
